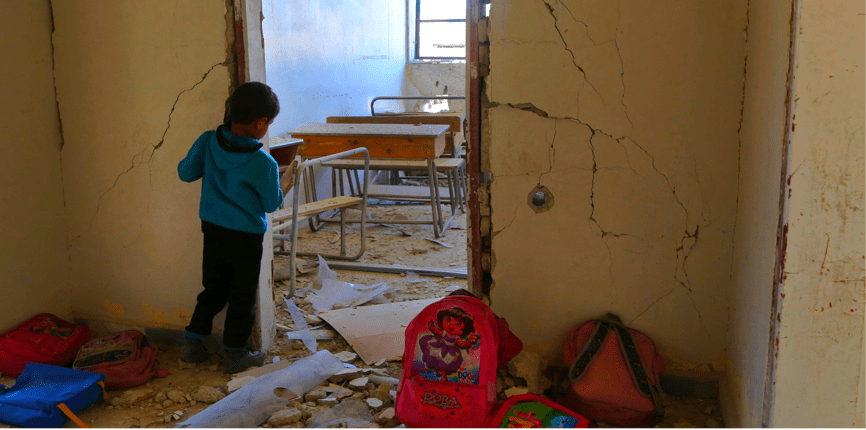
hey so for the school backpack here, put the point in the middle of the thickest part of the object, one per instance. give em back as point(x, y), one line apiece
point(614, 373)
point(449, 365)
point(534, 411)
point(47, 396)
point(44, 339)
point(125, 358)
point(509, 344)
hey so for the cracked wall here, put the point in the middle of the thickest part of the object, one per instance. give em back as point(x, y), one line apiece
point(819, 365)
point(33, 258)
point(140, 82)
point(762, 136)
point(628, 113)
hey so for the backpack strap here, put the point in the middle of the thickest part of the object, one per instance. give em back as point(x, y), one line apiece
point(637, 370)
point(589, 350)
point(66, 411)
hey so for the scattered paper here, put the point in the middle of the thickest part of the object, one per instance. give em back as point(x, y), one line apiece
point(439, 242)
point(301, 323)
point(337, 294)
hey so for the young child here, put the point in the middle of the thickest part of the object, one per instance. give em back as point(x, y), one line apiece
point(240, 184)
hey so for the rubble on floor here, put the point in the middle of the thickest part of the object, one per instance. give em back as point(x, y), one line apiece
point(361, 395)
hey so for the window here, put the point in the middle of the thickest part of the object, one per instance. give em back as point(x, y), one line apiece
point(440, 29)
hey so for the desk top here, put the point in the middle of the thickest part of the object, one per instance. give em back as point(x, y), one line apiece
point(454, 121)
point(389, 130)
point(284, 141)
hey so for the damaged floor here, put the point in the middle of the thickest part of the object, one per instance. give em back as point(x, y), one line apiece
point(191, 388)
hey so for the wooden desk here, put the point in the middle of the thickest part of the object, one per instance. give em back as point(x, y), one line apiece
point(284, 149)
point(382, 140)
point(406, 144)
point(453, 136)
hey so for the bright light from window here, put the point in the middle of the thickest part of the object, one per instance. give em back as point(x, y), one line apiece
point(440, 29)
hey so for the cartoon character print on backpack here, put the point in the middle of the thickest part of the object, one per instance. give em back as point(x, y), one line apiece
point(449, 351)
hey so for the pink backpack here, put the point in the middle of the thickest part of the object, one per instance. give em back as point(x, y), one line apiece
point(125, 358)
point(449, 365)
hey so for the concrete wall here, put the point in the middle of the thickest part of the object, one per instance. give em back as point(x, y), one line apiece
point(325, 58)
point(140, 82)
point(628, 112)
point(434, 79)
point(34, 255)
point(761, 143)
point(819, 369)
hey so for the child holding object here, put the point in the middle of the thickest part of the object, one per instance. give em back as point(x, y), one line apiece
point(240, 184)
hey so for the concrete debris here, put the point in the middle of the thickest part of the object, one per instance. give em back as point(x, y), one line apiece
point(207, 394)
point(176, 396)
point(380, 363)
point(213, 368)
point(351, 413)
point(315, 395)
point(132, 396)
point(375, 404)
point(285, 417)
point(527, 365)
point(708, 410)
point(184, 365)
point(328, 401)
point(515, 391)
point(383, 392)
point(346, 375)
point(161, 397)
point(167, 403)
point(346, 356)
point(387, 418)
point(359, 384)
point(167, 419)
point(143, 422)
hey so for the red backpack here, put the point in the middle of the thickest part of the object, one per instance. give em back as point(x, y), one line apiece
point(449, 365)
point(614, 373)
point(44, 339)
point(534, 411)
point(125, 358)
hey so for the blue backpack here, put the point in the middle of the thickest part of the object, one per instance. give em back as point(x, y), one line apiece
point(46, 396)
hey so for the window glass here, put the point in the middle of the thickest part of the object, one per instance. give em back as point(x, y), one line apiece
point(442, 9)
point(442, 39)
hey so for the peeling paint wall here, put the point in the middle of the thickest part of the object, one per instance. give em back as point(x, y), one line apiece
point(140, 82)
point(434, 79)
point(329, 58)
point(628, 112)
point(33, 258)
point(819, 376)
point(761, 142)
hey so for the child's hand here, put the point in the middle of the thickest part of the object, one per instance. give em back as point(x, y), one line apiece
point(287, 177)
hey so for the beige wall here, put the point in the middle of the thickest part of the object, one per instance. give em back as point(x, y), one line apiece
point(434, 79)
point(639, 149)
point(760, 172)
point(34, 255)
point(819, 378)
point(140, 82)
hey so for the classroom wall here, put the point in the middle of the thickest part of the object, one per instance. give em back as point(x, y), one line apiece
point(434, 79)
point(327, 58)
point(628, 113)
point(138, 82)
point(760, 176)
point(819, 367)
point(34, 256)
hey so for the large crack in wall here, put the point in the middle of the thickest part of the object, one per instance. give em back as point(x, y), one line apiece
point(653, 237)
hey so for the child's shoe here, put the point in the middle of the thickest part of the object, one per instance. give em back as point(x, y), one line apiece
point(194, 351)
point(240, 360)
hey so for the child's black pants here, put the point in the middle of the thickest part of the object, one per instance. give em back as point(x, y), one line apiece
point(230, 274)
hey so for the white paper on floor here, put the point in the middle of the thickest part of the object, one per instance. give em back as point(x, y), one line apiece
point(337, 293)
point(301, 323)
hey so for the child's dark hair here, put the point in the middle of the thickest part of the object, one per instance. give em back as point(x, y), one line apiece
point(251, 101)
point(468, 324)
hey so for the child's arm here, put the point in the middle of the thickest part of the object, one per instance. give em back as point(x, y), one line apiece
point(267, 183)
point(191, 168)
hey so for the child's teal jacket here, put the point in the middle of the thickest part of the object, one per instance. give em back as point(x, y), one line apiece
point(241, 182)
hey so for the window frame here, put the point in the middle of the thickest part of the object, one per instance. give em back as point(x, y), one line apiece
point(416, 21)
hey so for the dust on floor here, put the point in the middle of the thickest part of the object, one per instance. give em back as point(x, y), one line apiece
point(190, 388)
